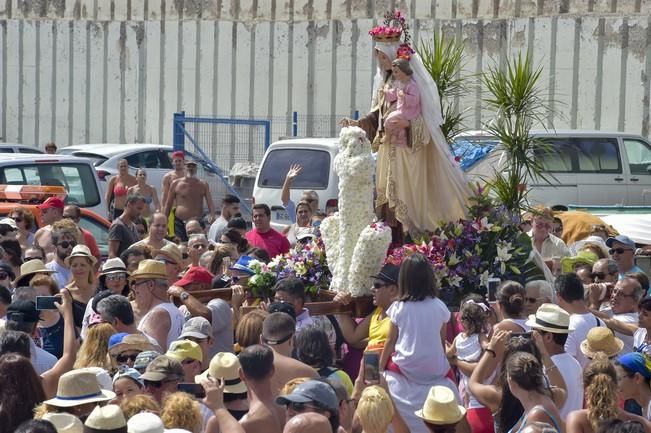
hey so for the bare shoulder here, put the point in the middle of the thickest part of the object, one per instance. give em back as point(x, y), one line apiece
point(576, 421)
point(259, 420)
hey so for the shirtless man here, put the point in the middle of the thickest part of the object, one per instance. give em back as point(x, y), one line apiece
point(178, 159)
point(51, 212)
point(188, 192)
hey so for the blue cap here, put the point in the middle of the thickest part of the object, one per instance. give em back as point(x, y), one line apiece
point(622, 239)
point(131, 373)
point(116, 339)
point(242, 265)
point(636, 363)
point(312, 391)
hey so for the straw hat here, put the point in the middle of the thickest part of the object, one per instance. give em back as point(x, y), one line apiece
point(601, 339)
point(145, 422)
point(29, 269)
point(79, 387)
point(107, 418)
point(550, 318)
point(149, 270)
point(113, 266)
point(64, 422)
point(171, 252)
point(225, 365)
point(441, 407)
point(80, 251)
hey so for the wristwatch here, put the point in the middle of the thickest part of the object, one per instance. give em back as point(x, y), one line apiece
point(184, 296)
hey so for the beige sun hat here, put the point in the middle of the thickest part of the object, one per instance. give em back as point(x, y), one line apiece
point(79, 387)
point(550, 318)
point(149, 270)
point(171, 252)
point(113, 266)
point(225, 365)
point(441, 407)
point(30, 269)
point(106, 419)
point(64, 422)
point(80, 251)
point(601, 340)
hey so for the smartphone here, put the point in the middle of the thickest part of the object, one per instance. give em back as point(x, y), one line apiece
point(371, 368)
point(47, 302)
point(493, 283)
point(194, 389)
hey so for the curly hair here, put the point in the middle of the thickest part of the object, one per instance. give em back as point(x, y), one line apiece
point(375, 410)
point(65, 227)
point(94, 350)
point(472, 317)
point(139, 403)
point(600, 381)
point(180, 410)
point(26, 215)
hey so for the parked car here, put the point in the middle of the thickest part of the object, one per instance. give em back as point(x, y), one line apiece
point(584, 167)
point(155, 158)
point(76, 175)
point(18, 148)
point(316, 156)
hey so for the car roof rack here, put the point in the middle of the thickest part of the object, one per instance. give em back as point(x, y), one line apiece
point(30, 193)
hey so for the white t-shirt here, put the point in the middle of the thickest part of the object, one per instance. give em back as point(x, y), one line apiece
point(639, 343)
point(582, 324)
point(419, 350)
point(42, 361)
point(572, 374)
point(217, 229)
point(627, 339)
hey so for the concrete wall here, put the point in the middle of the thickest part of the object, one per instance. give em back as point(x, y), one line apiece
point(115, 70)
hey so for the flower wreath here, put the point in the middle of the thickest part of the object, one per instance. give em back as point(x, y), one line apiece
point(395, 26)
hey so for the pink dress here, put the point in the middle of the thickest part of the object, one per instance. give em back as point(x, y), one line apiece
point(408, 108)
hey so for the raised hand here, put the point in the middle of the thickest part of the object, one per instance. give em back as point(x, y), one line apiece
point(294, 171)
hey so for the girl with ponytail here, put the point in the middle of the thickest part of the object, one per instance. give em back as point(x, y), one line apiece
point(601, 399)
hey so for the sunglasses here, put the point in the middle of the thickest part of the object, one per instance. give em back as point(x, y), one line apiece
point(188, 361)
point(4, 275)
point(380, 285)
point(302, 407)
point(125, 358)
point(116, 277)
point(67, 244)
point(618, 250)
point(17, 219)
point(27, 259)
point(167, 262)
point(600, 275)
point(531, 300)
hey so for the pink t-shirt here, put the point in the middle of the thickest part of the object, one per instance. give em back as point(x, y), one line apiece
point(272, 241)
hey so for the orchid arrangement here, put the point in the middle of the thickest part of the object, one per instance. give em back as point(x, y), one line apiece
point(466, 253)
point(308, 263)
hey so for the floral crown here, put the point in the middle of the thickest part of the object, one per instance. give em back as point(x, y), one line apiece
point(394, 29)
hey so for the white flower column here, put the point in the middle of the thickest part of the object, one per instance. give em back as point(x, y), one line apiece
point(329, 229)
point(355, 166)
point(368, 258)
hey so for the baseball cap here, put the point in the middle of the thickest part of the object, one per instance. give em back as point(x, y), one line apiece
point(178, 154)
point(243, 264)
point(282, 307)
point(131, 373)
point(637, 363)
point(23, 311)
point(51, 202)
point(144, 359)
point(388, 273)
point(622, 239)
point(196, 274)
point(10, 222)
point(196, 327)
point(163, 367)
point(312, 391)
point(184, 349)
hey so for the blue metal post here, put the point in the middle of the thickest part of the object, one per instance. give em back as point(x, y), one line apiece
point(295, 124)
point(356, 115)
point(178, 137)
point(267, 134)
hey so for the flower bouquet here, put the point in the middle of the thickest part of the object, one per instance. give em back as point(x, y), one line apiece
point(262, 282)
point(465, 254)
point(307, 263)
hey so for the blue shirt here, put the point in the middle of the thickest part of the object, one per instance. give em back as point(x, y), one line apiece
point(630, 271)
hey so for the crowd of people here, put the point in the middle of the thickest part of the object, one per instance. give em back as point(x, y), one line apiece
point(138, 342)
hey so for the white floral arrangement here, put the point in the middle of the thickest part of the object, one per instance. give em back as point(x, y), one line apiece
point(368, 257)
point(329, 229)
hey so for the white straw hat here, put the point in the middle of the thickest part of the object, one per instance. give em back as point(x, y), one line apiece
point(78, 387)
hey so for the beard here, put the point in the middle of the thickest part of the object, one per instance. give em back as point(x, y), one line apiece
point(63, 254)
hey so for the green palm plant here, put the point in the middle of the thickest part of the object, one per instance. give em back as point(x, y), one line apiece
point(515, 96)
point(444, 59)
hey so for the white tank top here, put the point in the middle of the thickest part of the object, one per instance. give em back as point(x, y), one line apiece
point(176, 321)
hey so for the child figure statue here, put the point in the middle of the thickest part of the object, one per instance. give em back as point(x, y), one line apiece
point(405, 92)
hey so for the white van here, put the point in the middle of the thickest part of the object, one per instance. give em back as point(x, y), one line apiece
point(76, 175)
point(316, 156)
point(589, 167)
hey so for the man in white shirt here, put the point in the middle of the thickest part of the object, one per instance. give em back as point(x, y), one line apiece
point(230, 208)
point(623, 301)
point(23, 316)
point(65, 236)
point(570, 297)
point(553, 324)
point(548, 245)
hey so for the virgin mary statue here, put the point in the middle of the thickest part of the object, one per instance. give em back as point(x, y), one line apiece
point(418, 185)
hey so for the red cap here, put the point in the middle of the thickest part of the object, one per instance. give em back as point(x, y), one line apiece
point(196, 274)
point(51, 202)
point(178, 154)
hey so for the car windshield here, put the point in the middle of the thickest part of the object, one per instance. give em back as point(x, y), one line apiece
point(315, 173)
point(77, 179)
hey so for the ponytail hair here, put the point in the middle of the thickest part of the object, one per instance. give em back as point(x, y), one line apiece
point(600, 379)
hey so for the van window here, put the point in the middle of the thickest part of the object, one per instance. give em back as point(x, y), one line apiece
point(581, 155)
point(78, 180)
point(639, 156)
point(315, 173)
